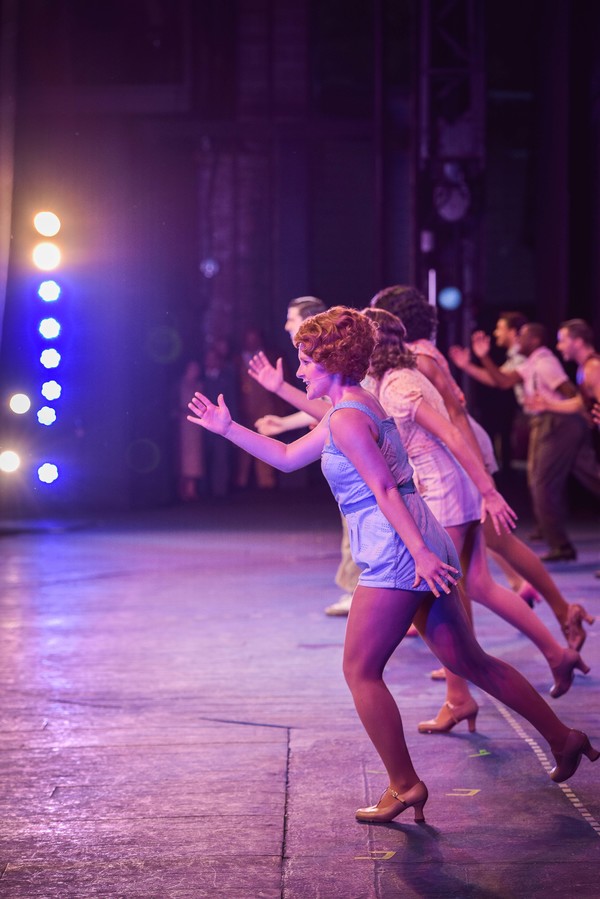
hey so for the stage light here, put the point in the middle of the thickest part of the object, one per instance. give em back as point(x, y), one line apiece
point(49, 291)
point(46, 415)
point(49, 328)
point(46, 256)
point(20, 403)
point(450, 298)
point(9, 461)
point(47, 473)
point(51, 390)
point(46, 223)
point(50, 358)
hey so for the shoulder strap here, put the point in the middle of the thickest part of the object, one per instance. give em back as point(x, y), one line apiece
point(352, 404)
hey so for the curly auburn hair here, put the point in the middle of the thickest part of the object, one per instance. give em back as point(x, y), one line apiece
point(341, 340)
point(390, 350)
point(411, 307)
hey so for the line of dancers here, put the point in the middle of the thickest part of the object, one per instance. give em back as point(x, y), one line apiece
point(401, 463)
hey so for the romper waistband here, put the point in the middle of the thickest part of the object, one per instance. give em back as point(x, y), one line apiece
point(406, 487)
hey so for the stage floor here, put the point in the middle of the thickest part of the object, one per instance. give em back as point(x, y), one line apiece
point(175, 723)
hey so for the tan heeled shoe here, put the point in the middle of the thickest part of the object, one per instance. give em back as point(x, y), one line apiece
point(573, 626)
point(567, 761)
point(449, 716)
point(565, 672)
point(393, 804)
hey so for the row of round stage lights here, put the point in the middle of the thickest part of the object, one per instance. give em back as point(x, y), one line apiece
point(46, 257)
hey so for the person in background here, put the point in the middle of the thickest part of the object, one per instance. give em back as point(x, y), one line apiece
point(506, 335)
point(271, 425)
point(456, 487)
point(408, 563)
point(301, 308)
point(420, 319)
point(557, 442)
point(575, 342)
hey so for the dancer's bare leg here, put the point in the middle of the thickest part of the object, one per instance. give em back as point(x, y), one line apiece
point(482, 588)
point(445, 628)
point(529, 566)
point(459, 700)
point(378, 620)
point(457, 689)
point(478, 584)
point(515, 581)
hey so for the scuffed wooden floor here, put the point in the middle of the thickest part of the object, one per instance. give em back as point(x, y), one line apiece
point(175, 724)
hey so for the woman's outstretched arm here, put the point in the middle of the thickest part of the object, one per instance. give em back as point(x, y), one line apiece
point(284, 457)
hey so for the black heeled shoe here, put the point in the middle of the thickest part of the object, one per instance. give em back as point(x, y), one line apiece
point(384, 812)
point(564, 672)
point(567, 761)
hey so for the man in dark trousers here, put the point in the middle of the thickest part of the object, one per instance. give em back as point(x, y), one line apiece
point(557, 442)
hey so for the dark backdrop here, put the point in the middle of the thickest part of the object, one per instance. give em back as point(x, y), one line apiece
point(211, 160)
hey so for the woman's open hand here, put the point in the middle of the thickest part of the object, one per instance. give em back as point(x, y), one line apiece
point(214, 418)
point(268, 376)
point(503, 517)
point(438, 575)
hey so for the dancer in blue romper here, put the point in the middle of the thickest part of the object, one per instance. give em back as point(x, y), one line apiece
point(408, 563)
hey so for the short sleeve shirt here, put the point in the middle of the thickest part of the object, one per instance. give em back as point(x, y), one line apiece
point(543, 374)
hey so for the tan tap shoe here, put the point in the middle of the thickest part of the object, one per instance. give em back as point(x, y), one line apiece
point(393, 804)
point(567, 760)
point(573, 626)
point(449, 716)
point(565, 672)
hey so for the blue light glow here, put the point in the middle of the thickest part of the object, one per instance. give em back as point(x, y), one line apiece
point(450, 298)
point(50, 358)
point(49, 328)
point(47, 473)
point(46, 415)
point(51, 390)
point(49, 291)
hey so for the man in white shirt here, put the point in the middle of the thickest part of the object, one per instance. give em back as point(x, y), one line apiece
point(506, 335)
point(575, 342)
point(555, 439)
